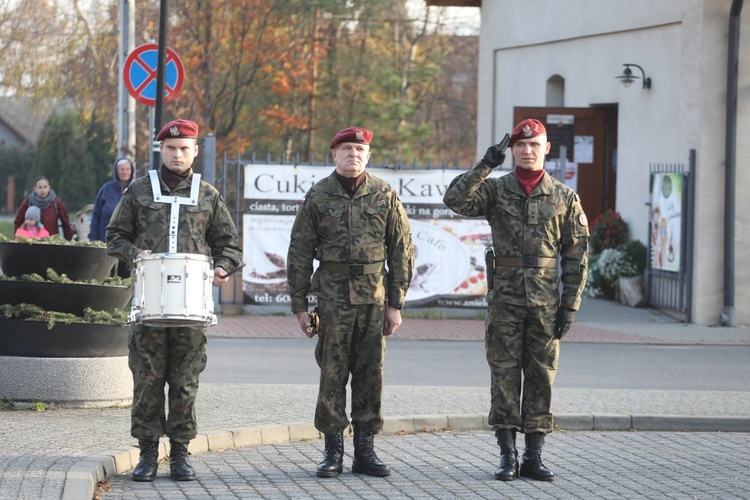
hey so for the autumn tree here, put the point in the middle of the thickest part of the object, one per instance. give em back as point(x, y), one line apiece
point(31, 32)
point(227, 47)
point(277, 76)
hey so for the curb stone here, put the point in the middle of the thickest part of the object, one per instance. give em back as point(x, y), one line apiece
point(82, 478)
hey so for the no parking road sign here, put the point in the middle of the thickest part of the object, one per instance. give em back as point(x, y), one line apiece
point(139, 73)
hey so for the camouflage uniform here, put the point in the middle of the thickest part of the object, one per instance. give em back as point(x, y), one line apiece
point(173, 355)
point(370, 227)
point(524, 300)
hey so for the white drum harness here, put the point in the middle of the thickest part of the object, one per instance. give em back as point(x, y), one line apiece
point(175, 201)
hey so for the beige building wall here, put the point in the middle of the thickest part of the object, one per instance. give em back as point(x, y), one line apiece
point(682, 46)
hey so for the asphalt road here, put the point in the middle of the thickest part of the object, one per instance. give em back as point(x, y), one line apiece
point(450, 363)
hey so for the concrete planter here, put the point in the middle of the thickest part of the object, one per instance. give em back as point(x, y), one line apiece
point(79, 263)
point(70, 298)
point(78, 365)
point(73, 366)
point(66, 382)
point(77, 340)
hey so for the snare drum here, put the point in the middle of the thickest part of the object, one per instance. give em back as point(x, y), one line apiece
point(173, 289)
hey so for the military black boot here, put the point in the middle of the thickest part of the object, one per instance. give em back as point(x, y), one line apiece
point(179, 463)
point(333, 456)
point(148, 462)
point(508, 468)
point(365, 459)
point(532, 465)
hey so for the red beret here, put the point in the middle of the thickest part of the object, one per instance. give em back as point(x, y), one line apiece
point(178, 128)
point(352, 134)
point(526, 130)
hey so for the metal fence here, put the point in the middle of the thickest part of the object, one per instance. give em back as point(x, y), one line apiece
point(666, 289)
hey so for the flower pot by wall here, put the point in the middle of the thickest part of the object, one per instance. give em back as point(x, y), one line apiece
point(608, 290)
point(631, 291)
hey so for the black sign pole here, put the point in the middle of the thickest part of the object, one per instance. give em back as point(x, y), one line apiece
point(161, 57)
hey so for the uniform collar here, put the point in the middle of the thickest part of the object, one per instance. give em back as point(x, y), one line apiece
point(166, 175)
point(335, 187)
point(543, 188)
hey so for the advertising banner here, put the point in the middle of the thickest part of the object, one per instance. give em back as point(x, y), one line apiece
point(666, 221)
point(449, 268)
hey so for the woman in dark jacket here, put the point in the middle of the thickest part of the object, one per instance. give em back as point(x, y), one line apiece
point(51, 207)
point(108, 197)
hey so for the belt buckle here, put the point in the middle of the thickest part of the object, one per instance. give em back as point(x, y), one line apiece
point(356, 269)
point(530, 262)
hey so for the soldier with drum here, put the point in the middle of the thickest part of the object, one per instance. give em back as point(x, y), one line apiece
point(171, 211)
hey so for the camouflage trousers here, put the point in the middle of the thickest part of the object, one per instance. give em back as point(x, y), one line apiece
point(157, 356)
point(350, 341)
point(519, 341)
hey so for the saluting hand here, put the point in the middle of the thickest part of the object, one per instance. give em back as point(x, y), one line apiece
point(494, 156)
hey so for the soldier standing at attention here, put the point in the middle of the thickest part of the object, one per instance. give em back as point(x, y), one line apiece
point(353, 223)
point(170, 355)
point(533, 219)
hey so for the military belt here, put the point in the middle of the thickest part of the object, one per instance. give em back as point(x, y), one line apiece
point(352, 269)
point(526, 261)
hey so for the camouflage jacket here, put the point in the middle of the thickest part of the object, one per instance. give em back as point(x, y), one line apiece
point(369, 227)
point(547, 222)
point(139, 223)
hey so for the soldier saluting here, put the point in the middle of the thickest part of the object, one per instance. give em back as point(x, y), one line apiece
point(534, 218)
point(353, 223)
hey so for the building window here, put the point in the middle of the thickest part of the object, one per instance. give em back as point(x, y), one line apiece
point(555, 92)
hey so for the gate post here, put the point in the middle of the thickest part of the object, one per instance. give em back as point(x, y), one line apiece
point(209, 159)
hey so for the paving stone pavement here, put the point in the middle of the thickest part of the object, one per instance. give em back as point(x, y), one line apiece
point(61, 453)
point(448, 464)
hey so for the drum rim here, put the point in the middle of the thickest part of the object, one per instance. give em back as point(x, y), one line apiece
point(169, 256)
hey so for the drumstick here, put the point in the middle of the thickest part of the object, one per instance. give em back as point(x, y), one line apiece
point(235, 270)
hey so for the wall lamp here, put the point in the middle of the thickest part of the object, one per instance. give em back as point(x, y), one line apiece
point(627, 77)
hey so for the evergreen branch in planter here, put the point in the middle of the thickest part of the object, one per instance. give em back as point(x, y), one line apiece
point(31, 312)
point(55, 239)
point(53, 277)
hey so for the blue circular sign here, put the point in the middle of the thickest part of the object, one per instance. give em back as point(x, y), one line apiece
point(139, 74)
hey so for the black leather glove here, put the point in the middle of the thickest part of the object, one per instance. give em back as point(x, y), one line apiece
point(494, 156)
point(563, 321)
